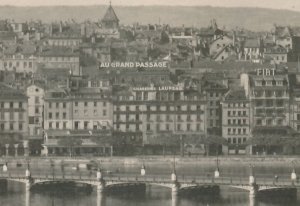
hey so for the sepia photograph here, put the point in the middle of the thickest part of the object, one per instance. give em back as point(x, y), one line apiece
point(149, 103)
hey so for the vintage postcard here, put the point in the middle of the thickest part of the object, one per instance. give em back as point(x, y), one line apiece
point(149, 103)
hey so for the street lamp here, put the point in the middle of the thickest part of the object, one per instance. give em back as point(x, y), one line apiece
point(173, 175)
point(293, 174)
point(251, 176)
point(217, 171)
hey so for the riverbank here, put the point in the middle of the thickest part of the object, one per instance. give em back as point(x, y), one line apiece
point(222, 160)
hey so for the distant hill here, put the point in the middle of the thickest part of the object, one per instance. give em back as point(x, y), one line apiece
point(250, 18)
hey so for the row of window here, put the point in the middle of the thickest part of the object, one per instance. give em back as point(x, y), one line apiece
point(57, 105)
point(63, 125)
point(236, 131)
point(86, 104)
point(269, 83)
point(237, 140)
point(11, 105)
point(178, 127)
point(17, 64)
point(270, 122)
point(163, 108)
point(237, 121)
point(269, 93)
point(11, 115)
point(95, 112)
point(237, 113)
point(167, 127)
point(237, 105)
point(76, 104)
point(58, 59)
point(76, 112)
point(11, 127)
point(128, 117)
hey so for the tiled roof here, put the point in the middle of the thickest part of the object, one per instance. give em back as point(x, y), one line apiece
point(57, 51)
point(283, 31)
point(238, 94)
point(276, 50)
point(26, 49)
point(252, 43)
point(7, 92)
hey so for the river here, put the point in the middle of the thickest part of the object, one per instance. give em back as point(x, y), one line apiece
point(15, 195)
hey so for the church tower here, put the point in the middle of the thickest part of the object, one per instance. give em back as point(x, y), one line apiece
point(110, 19)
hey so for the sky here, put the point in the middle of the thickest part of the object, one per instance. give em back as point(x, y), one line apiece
point(275, 4)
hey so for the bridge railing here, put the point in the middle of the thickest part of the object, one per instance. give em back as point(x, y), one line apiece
point(91, 176)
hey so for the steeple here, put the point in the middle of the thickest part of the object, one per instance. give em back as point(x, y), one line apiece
point(110, 19)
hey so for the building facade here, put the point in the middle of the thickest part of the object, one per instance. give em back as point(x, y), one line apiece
point(86, 112)
point(148, 113)
point(268, 92)
point(236, 121)
point(13, 121)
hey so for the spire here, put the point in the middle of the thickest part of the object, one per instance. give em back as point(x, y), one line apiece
point(110, 19)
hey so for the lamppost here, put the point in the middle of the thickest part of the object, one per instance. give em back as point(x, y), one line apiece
point(52, 167)
point(5, 167)
point(173, 175)
point(217, 171)
point(251, 175)
point(293, 174)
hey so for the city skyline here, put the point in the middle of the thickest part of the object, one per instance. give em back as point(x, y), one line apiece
point(273, 4)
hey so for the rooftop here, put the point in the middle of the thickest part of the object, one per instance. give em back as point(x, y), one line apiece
point(110, 15)
point(7, 92)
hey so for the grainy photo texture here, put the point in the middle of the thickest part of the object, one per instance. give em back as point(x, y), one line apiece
point(149, 102)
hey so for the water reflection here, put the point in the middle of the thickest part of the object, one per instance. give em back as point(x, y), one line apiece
point(100, 199)
point(154, 196)
point(27, 199)
point(174, 201)
point(252, 200)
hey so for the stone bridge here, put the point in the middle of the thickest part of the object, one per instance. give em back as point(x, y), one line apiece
point(176, 184)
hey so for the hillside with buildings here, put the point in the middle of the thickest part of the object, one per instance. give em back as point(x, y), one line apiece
point(250, 18)
point(73, 90)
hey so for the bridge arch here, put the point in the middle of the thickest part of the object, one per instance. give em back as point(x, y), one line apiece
point(36, 183)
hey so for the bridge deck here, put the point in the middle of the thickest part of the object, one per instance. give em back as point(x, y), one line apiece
point(155, 179)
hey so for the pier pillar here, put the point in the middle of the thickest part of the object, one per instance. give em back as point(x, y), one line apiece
point(293, 176)
point(253, 186)
point(100, 199)
point(175, 184)
point(4, 168)
point(252, 183)
point(28, 180)
point(27, 199)
point(175, 189)
point(143, 170)
point(174, 200)
point(217, 173)
point(101, 182)
point(253, 190)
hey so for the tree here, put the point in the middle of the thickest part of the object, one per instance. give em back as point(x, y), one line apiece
point(70, 143)
point(166, 140)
